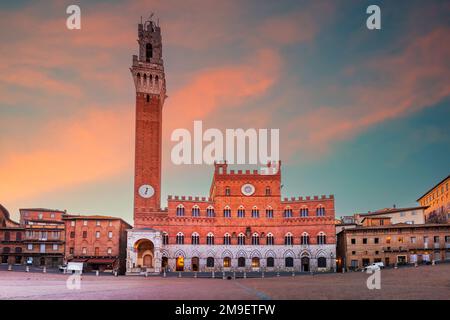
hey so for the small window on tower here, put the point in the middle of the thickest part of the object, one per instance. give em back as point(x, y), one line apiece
point(148, 98)
point(148, 52)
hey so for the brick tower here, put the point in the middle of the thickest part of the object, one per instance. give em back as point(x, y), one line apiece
point(149, 79)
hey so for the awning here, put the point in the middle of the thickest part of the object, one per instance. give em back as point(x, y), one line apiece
point(78, 260)
point(101, 261)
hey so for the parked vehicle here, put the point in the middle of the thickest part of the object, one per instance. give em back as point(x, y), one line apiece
point(374, 266)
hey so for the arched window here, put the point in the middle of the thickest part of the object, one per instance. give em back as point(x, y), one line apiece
point(304, 239)
point(210, 262)
point(210, 239)
point(255, 239)
point(241, 239)
point(288, 212)
point(270, 262)
point(7, 236)
point(6, 250)
point(241, 212)
point(289, 262)
point(165, 238)
point(195, 238)
point(180, 238)
point(241, 262)
point(148, 52)
point(269, 212)
point(321, 238)
point(227, 191)
point(255, 212)
point(227, 262)
point(269, 239)
point(304, 212)
point(138, 77)
point(320, 211)
point(18, 236)
point(210, 212)
point(180, 210)
point(145, 80)
point(288, 239)
point(268, 191)
point(227, 239)
point(255, 262)
point(322, 262)
point(148, 98)
point(227, 212)
point(18, 250)
point(195, 211)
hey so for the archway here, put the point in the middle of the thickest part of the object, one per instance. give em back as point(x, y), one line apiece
point(145, 253)
point(305, 264)
point(180, 264)
point(195, 264)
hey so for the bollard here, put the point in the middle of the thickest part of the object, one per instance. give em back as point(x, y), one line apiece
point(115, 273)
point(10, 267)
point(27, 269)
point(395, 266)
point(164, 274)
point(146, 274)
point(195, 274)
point(179, 274)
point(213, 275)
point(415, 264)
point(223, 275)
point(96, 273)
point(433, 262)
point(262, 275)
point(293, 273)
point(245, 275)
point(234, 275)
point(278, 273)
point(44, 270)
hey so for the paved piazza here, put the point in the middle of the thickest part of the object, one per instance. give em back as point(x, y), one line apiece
point(425, 282)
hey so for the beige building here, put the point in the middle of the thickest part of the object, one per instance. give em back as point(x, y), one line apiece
point(437, 201)
point(414, 215)
point(377, 240)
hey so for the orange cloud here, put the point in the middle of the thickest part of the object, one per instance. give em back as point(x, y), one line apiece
point(225, 87)
point(67, 153)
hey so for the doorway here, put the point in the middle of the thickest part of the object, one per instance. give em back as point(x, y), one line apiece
point(164, 262)
point(180, 264)
point(147, 261)
point(195, 264)
point(305, 264)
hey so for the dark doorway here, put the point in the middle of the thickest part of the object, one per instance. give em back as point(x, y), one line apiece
point(195, 264)
point(164, 262)
point(305, 264)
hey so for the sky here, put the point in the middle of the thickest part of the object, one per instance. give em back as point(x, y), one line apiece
point(363, 114)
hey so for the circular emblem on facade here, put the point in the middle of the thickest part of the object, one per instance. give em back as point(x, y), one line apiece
point(146, 191)
point(248, 189)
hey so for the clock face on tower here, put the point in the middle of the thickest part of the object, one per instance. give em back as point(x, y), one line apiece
point(248, 189)
point(146, 191)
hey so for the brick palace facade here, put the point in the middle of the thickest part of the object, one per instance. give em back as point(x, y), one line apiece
point(244, 223)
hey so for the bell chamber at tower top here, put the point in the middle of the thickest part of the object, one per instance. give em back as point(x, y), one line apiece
point(148, 68)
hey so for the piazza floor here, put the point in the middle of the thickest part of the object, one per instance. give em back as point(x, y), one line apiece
point(424, 282)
